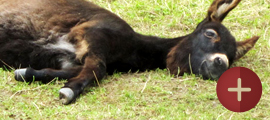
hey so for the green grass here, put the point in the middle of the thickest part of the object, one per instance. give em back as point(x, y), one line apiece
point(152, 94)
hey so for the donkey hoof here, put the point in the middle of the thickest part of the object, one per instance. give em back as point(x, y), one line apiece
point(66, 95)
point(20, 74)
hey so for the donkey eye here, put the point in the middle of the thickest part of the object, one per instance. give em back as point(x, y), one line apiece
point(210, 33)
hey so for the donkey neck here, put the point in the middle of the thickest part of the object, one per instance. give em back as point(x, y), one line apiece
point(152, 51)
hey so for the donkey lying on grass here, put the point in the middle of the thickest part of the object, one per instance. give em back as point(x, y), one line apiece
point(80, 41)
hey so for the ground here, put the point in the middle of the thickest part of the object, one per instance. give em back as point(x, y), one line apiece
point(152, 94)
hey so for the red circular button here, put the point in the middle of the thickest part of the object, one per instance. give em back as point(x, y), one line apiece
point(239, 89)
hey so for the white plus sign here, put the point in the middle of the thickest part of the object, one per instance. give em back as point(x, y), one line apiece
point(239, 89)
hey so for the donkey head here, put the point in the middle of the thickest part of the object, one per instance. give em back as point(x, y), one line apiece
point(210, 49)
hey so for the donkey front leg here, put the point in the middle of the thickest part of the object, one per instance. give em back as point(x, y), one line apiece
point(45, 75)
point(93, 69)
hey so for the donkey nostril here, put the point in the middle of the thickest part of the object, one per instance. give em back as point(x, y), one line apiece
point(218, 61)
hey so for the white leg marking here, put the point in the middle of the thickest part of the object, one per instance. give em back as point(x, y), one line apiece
point(66, 95)
point(20, 73)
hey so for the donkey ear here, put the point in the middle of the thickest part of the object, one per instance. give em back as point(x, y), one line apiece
point(244, 46)
point(220, 8)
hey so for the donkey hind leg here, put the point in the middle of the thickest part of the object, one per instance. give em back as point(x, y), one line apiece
point(45, 75)
point(15, 53)
point(94, 69)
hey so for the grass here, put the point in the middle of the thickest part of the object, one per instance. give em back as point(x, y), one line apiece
point(152, 94)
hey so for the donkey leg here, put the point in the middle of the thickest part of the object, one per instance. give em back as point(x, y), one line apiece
point(93, 69)
point(45, 75)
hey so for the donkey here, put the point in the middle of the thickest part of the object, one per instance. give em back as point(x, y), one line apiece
point(82, 42)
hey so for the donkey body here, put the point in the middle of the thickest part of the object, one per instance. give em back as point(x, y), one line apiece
point(80, 41)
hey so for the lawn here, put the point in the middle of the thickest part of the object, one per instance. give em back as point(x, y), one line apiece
point(152, 94)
